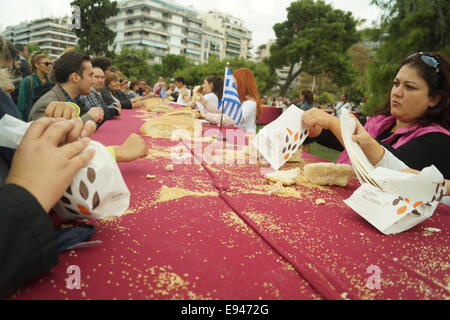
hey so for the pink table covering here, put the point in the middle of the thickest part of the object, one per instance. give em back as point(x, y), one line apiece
point(269, 114)
point(224, 237)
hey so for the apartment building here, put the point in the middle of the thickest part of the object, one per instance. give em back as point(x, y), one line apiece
point(51, 34)
point(164, 27)
point(238, 39)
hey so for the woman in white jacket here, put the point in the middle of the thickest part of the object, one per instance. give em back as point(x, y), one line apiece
point(251, 105)
point(212, 92)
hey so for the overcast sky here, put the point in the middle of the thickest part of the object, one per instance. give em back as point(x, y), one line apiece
point(259, 15)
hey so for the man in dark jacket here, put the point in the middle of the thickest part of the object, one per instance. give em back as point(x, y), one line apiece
point(25, 69)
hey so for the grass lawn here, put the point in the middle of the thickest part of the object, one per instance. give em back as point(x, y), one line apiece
point(318, 150)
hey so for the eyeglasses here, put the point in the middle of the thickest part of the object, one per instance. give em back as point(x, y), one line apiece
point(429, 59)
point(47, 64)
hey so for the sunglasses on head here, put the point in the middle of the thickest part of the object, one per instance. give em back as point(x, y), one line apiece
point(429, 59)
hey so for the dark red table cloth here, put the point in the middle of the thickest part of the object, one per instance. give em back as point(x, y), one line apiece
point(212, 231)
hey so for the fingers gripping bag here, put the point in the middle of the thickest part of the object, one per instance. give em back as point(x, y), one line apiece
point(97, 191)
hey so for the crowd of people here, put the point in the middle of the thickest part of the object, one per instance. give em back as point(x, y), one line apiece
point(306, 101)
point(68, 98)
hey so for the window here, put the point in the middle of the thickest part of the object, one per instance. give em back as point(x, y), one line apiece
point(130, 11)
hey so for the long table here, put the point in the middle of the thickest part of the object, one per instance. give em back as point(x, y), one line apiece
point(213, 231)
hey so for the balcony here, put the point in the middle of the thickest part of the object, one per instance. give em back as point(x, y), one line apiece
point(145, 37)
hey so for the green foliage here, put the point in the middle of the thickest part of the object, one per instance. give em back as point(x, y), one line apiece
point(173, 63)
point(355, 95)
point(326, 98)
point(133, 63)
point(94, 36)
point(318, 37)
point(195, 74)
point(33, 48)
point(408, 26)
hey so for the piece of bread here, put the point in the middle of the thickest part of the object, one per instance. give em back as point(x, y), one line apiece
point(328, 174)
point(188, 112)
point(165, 126)
point(156, 105)
point(286, 178)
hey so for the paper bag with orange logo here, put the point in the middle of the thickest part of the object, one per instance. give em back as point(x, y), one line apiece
point(406, 200)
point(97, 191)
point(280, 140)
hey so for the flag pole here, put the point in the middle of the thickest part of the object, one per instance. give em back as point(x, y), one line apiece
point(221, 136)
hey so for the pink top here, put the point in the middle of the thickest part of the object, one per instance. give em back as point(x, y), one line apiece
point(377, 125)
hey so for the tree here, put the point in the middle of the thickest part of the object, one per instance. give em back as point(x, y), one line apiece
point(172, 63)
point(133, 63)
point(195, 75)
point(407, 26)
point(33, 48)
point(314, 39)
point(95, 37)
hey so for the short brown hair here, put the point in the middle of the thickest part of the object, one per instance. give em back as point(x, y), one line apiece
point(110, 78)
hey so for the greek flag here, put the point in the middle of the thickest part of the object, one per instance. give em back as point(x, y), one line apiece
point(231, 105)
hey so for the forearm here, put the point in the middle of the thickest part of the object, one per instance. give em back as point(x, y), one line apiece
point(335, 128)
point(374, 151)
point(216, 118)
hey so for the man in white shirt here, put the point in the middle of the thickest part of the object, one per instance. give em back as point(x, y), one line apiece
point(341, 105)
point(185, 94)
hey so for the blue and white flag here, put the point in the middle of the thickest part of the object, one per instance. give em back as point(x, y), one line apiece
point(231, 104)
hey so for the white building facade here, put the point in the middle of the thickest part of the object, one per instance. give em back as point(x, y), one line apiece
point(238, 39)
point(52, 35)
point(166, 27)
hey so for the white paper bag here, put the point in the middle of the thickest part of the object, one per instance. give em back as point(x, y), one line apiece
point(406, 201)
point(280, 140)
point(97, 191)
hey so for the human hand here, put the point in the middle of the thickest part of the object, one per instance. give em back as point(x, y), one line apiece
point(43, 166)
point(203, 113)
point(361, 136)
point(81, 130)
point(316, 120)
point(371, 148)
point(57, 109)
point(138, 104)
point(97, 114)
point(133, 148)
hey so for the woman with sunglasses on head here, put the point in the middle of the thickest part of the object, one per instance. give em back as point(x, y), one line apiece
point(40, 64)
point(413, 125)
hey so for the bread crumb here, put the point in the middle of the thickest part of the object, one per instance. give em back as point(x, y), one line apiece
point(433, 229)
point(277, 189)
point(170, 167)
point(149, 176)
point(320, 201)
point(286, 178)
point(344, 295)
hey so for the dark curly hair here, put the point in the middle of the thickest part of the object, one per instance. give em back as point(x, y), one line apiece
point(438, 82)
